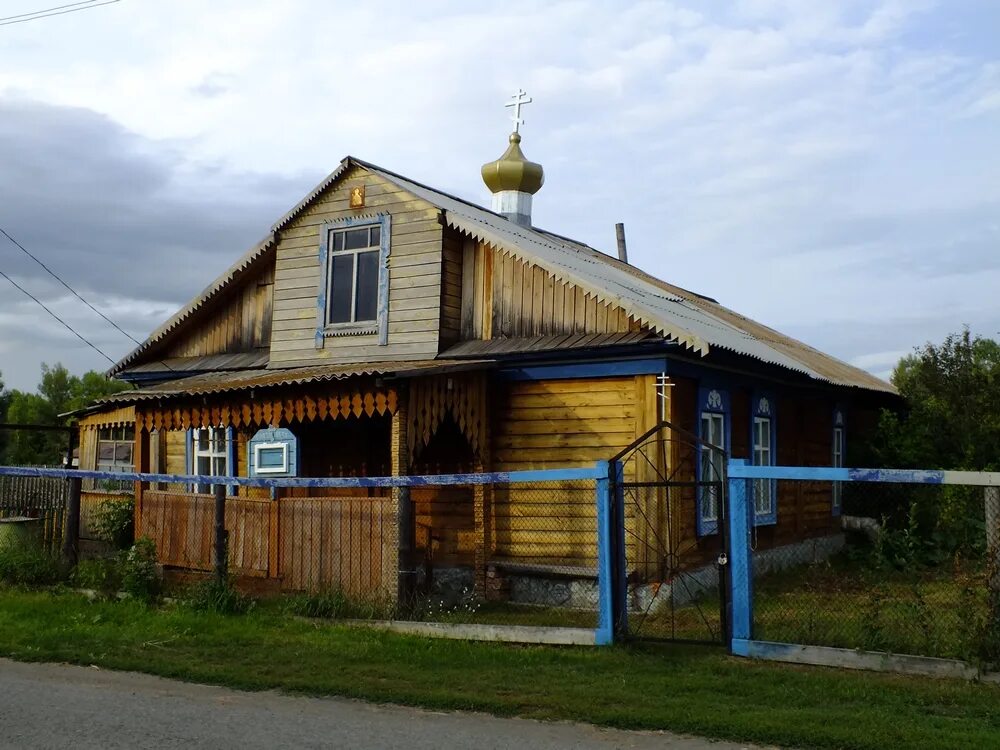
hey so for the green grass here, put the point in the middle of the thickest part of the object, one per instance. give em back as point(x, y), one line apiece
point(697, 690)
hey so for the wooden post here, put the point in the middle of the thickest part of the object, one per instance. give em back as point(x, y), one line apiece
point(992, 501)
point(140, 458)
point(481, 511)
point(274, 534)
point(221, 562)
point(406, 527)
point(71, 539)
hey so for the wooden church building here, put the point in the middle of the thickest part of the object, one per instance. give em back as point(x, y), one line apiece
point(390, 328)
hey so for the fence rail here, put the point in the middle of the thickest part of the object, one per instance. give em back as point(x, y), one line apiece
point(911, 568)
point(524, 549)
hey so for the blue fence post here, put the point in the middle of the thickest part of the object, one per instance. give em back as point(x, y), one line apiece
point(740, 564)
point(619, 591)
point(604, 634)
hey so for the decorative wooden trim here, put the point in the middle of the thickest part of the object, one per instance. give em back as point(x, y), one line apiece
point(461, 395)
point(264, 411)
point(381, 327)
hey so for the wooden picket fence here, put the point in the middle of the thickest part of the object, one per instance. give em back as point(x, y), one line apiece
point(43, 498)
point(305, 543)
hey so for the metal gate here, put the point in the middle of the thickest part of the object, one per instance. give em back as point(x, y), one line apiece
point(669, 537)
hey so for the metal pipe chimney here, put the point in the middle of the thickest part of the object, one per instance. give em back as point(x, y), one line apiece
point(620, 236)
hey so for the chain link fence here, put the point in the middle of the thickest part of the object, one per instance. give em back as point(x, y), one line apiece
point(486, 552)
point(888, 567)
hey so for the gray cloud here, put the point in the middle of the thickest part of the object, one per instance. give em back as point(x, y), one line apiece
point(125, 220)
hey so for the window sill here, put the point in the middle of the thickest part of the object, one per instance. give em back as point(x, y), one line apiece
point(350, 329)
point(765, 521)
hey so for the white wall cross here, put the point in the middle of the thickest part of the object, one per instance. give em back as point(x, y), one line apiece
point(519, 99)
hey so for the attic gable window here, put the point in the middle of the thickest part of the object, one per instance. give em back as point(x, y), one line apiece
point(353, 293)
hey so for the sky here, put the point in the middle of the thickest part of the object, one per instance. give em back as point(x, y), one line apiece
point(831, 169)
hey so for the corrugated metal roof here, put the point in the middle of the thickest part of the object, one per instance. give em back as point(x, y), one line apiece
point(248, 261)
point(210, 362)
point(222, 382)
point(496, 347)
point(679, 315)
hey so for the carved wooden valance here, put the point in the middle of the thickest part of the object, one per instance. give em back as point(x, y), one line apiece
point(266, 410)
point(462, 396)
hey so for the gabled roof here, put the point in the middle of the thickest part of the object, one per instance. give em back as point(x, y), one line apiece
point(688, 319)
point(247, 264)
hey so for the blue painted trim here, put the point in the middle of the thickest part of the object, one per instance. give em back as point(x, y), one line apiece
point(885, 476)
point(431, 480)
point(324, 283)
point(384, 222)
point(740, 561)
point(839, 419)
point(383, 279)
point(740, 647)
point(604, 634)
point(586, 370)
point(712, 400)
point(771, 414)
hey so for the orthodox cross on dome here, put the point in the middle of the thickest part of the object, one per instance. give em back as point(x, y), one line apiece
point(519, 99)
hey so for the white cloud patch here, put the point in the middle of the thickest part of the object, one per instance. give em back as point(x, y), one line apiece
point(828, 168)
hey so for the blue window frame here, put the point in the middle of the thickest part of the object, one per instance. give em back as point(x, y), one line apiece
point(763, 451)
point(713, 430)
point(353, 296)
point(837, 458)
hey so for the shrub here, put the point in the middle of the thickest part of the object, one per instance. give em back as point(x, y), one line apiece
point(140, 578)
point(113, 521)
point(218, 596)
point(103, 575)
point(30, 566)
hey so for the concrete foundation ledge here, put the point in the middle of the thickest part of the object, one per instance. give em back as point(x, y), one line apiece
point(500, 633)
point(877, 661)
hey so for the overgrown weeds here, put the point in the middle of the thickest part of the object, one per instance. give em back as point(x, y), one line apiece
point(140, 577)
point(113, 521)
point(335, 604)
point(221, 597)
point(29, 565)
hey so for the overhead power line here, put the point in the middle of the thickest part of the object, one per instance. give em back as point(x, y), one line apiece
point(75, 293)
point(58, 10)
point(63, 322)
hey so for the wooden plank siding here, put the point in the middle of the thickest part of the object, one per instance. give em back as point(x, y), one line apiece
point(507, 298)
point(451, 288)
point(803, 437)
point(416, 303)
point(240, 322)
point(558, 423)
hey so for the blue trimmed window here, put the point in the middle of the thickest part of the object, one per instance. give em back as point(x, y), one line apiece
point(837, 459)
point(211, 452)
point(765, 491)
point(353, 294)
point(713, 430)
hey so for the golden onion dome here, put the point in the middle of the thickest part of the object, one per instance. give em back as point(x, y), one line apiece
point(513, 172)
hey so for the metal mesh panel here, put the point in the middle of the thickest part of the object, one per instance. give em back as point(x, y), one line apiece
point(902, 568)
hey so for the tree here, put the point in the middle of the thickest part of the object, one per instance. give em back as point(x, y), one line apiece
point(950, 420)
point(4, 405)
point(951, 415)
point(59, 392)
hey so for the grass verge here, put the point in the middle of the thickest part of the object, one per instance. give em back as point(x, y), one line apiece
point(698, 690)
